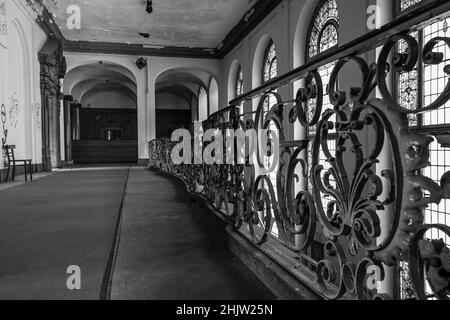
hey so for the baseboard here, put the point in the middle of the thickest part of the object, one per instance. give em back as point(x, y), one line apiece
point(67, 164)
point(278, 279)
point(143, 162)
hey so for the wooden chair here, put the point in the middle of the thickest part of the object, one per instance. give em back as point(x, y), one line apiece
point(12, 162)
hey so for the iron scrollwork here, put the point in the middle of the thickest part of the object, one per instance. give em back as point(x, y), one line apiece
point(372, 218)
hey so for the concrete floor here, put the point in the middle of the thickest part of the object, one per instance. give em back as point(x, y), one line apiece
point(166, 249)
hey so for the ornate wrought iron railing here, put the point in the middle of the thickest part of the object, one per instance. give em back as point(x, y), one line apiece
point(362, 215)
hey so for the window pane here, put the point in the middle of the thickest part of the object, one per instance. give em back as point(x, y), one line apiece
point(323, 26)
point(408, 85)
point(405, 4)
point(434, 77)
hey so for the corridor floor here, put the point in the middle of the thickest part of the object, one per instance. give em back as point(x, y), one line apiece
point(61, 220)
point(167, 250)
point(164, 249)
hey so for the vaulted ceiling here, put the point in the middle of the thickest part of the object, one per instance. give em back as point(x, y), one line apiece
point(177, 23)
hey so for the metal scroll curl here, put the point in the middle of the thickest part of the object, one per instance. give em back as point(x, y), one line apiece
point(431, 257)
point(355, 237)
point(406, 62)
point(309, 97)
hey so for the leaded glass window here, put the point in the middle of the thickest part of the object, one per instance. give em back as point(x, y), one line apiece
point(405, 4)
point(416, 89)
point(323, 35)
point(239, 87)
point(270, 71)
point(270, 62)
point(323, 31)
point(239, 82)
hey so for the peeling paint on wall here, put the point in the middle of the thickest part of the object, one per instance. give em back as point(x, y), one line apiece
point(3, 24)
point(5, 130)
point(14, 110)
point(37, 113)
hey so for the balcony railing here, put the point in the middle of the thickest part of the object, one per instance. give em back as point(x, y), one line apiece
point(350, 214)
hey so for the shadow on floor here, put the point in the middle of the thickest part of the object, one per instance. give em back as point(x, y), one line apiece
point(170, 249)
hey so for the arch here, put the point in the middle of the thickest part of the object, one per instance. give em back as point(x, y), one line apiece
point(323, 34)
point(301, 32)
point(195, 68)
point(234, 68)
point(270, 62)
point(120, 67)
point(82, 87)
point(108, 99)
point(323, 30)
point(239, 82)
point(113, 89)
point(184, 75)
point(213, 96)
point(96, 72)
point(269, 70)
point(177, 91)
point(258, 59)
point(202, 104)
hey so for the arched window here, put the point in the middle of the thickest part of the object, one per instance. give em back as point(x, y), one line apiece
point(239, 82)
point(239, 87)
point(269, 71)
point(213, 96)
point(323, 31)
point(323, 34)
point(202, 104)
point(270, 62)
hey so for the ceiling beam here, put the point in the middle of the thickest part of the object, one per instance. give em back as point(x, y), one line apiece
point(137, 49)
point(262, 9)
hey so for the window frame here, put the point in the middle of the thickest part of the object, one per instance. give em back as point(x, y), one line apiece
point(270, 63)
point(434, 129)
point(239, 82)
point(311, 27)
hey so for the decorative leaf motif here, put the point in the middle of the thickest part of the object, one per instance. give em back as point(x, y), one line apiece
point(445, 259)
point(426, 249)
point(445, 185)
point(437, 282)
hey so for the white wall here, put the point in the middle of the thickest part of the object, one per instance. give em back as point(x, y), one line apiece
point(20, 81)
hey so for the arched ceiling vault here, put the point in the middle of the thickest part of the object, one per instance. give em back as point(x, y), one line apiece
point(183, 75)
point(90, 77)
point(84, 86)
point(177, 89)
point(110, 88)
